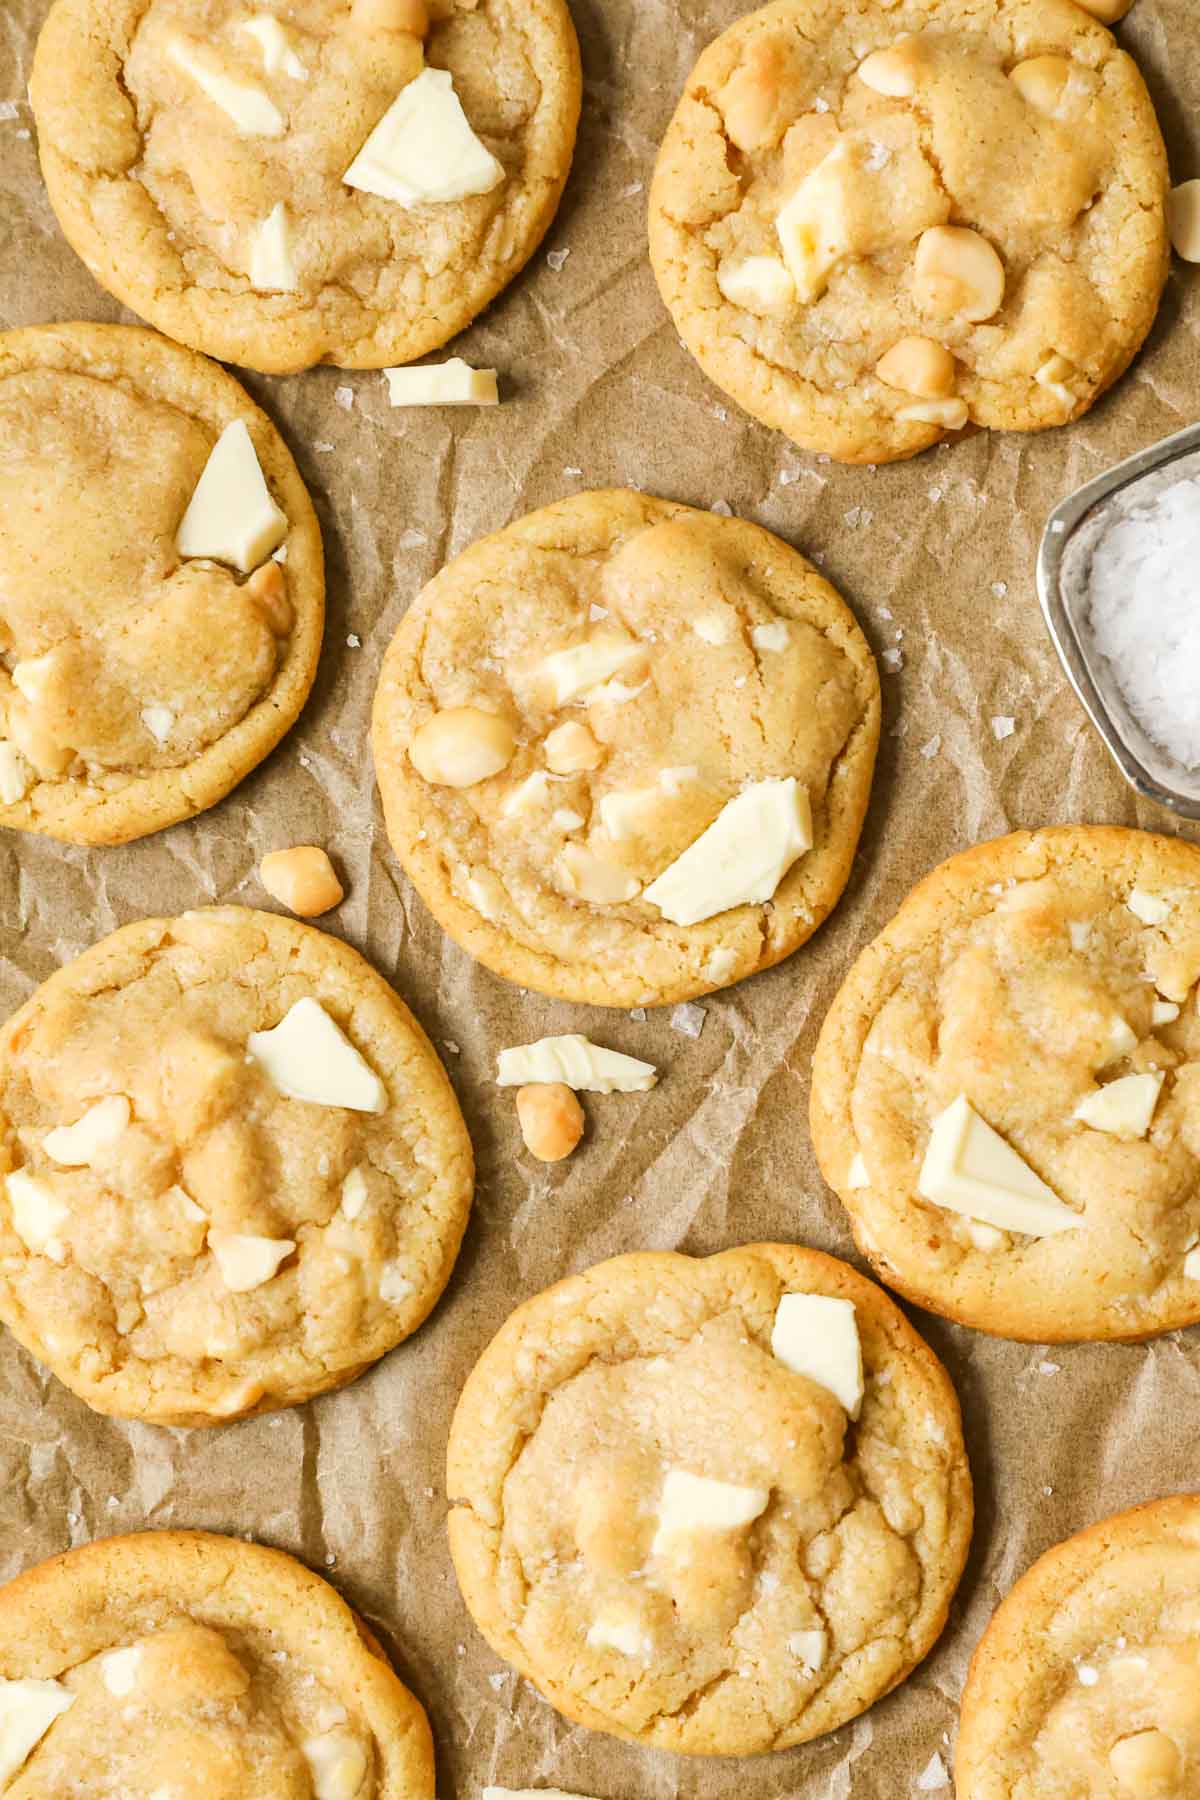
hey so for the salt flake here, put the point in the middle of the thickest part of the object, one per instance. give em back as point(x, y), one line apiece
point(688, 1020)
point(1003, 727)
point(344, 397)
point(933, 1776)
point(556, 259)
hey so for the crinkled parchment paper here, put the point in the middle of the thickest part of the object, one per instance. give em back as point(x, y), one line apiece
point(936, 557)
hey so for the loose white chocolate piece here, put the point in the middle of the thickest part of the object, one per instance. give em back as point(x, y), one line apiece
point(302, 879)
point(1124, 1107)
point(308, 1057)
point(27, 1711)
point(1183, 220)
point(74, 1146)
point(452, 383)
point(231, 517)
point(551, 1119)
point(462, 746)
point(423, 149)
point(572, 749)
point(758, 284)
point(276, 46)
point(696, 1503)
point(576, 1062)
point(272, 262)
point(817, 1335)
point(742, 857)
point(970, 1169)
point(253, 112)
point(957, 274)
point(918, 365)
point(37, 1214)
point(244, 1261)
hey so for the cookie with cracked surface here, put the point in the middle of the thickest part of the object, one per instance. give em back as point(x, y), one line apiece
point(1004, 1090)
point(625, 749)
point(873, 225)
point(139, 681)
point(343, 181)
point(662, 1516)
point(235, 1173)
point(1086, 1680)
point(200, 1666)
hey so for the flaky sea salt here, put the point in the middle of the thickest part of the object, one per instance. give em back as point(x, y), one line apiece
point(1003, 727)
point(1143, 616)
point(557, 259)
point(688, 1019)
point(933, 1776)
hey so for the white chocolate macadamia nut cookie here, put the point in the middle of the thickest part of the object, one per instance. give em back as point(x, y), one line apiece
point(1005, 1090)
point(876, 224)
point(625, 749)
point(235, 1174)
point(718, 1506)
point(1087, 1681)
point(180, 1664)
point(152, 650)
point(345, 181)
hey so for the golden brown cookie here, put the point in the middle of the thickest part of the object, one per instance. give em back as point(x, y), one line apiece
point(200, 1667)
point(140, 677)
point(1087, 1680)
point(663, 1515)
point(873, 225)
point(625, 749)
point(1003, 1090)
point(345, 181)
point(235, 1172)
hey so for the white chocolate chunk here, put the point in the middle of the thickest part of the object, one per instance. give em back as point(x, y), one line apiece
point(610, 1632)
point(120, 1670)
point(817, 1335)
point(720, 963)
point(75, 1145)
point(742, 857)
point(858, 1176)
point(253, 112)
point(354, 1193)
point(758, 284)
point(1121, 1040)
point(952, 415)
point(244, 1261)
point(564, 819)
point(985, 1237)
point(1164, 1012)
point(452, 383)
point(531, 792)
point(159, 722)
point(272, 261)
point(1191, 1264)
point(1183, 220)
point(1124, 1108)
point(615, 693)
point(308, 1057)
point(810, 1648)
point(27, 1711)
point(337, 1761)
point(394, 1286)
point(970, 1169)
point(16, 775)
point(231, 517)
point(187, 1206)
point(423, 149)
point(623, 815)
point(584, 666)
point(712, 627)
point(692, 1503)
point(1079, 932)
point(773, 636)
point(37, 1215)
point(275, 43)
point(577, 1063)
point(1151, 909)
point(584, 873)
point(1053, 375)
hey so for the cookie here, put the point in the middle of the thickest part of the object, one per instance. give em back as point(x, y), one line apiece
point(663, 1515)
point(1003, 1089)
point(344, 181)
point(1087, 1679)
point(235, 1171)
point(180, 1663)
point(875, 225)
point(625, 749)
point(144, 673)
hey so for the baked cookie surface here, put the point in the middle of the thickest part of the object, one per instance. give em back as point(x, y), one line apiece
point(138, 684)
point(872, 225)
point(1085, 1685)
point(577, 701)
point(236, 1173)
point(676, 1533)
point(181, 1663)
point(1003, 1090)
point(196, 151)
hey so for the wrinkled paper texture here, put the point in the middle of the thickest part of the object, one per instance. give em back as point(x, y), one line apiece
point(936, 557)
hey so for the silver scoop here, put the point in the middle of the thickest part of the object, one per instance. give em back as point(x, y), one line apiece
point(1064, 561)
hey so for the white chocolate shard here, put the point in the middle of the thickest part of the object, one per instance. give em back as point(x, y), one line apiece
point(577, 1063)
point(696, 1503)
point(120, 1670)
point(580, 668)
point(253, 112)
point(354, 1193)
point(720, 963)
point(1164, 1012)
point(37, 1214)
point(712, 627)
point(337, 1762)
point(1151, 909)
point(1121, 1040)
point(276, 46)
point(857, 1176)
point(809, 1648)
point(159, 722)
point(623, 815)
point(758, 284)
point(16, 775)
point(452, 383)
point(1124, 1108)
point(742, 857)
point(1191, 1265)
point(423, 149)
point(272, 258)
point(394, 1285)
point(308, 1057)
point(27, 1711)
point(532, 792)
point(231, 517)
point(244, 1261)
point(593, 878)
point(75, 1145)
point(817, 1335)
point(772, 636)
point(611, 1632)
point(971, 1170)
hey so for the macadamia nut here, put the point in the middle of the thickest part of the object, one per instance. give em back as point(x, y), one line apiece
point(302, 879)
point(551, 1120)
point(462, 746)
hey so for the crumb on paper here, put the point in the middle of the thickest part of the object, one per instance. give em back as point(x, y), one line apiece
point(935, 496)
point(639, 1015)
point(1003, 727)
point(721, 415)
point(1049, 1368)
point(628, 193)
point(688, 1019)
point(9, 110)
point(597, 612)
point(893, 661)
point(933, 1776)
point(450, 1045)
point(556, 259)
point(344, 397)
point(1000, 589)
point(722, 509)
point(1047, 1491)
point(353, 641)
point(932, 745)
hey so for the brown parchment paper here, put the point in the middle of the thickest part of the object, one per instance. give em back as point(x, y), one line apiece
point(936, 557)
